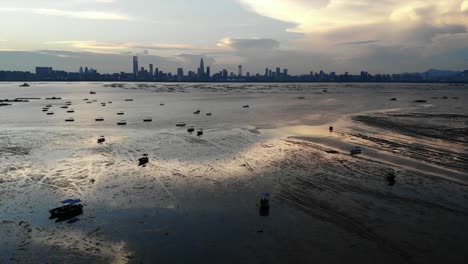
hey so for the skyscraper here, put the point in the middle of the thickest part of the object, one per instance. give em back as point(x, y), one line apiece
point(202, 67)
point(135, 67)
point(278, 72)
point(240, 71)
point(180, 74)
point(151, 71)
point(208, 72)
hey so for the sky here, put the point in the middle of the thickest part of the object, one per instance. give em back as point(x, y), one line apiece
point(385, 36)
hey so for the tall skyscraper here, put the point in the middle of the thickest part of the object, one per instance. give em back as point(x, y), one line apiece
point(266, 72)
point(278, 72)
point(180, 74)
point(135, 67)
point(202, 67)
point(151, 71)
point(208, 72)
point(81, 70)
point(239, 73)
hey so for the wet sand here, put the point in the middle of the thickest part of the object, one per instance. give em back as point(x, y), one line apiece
point(196, 201)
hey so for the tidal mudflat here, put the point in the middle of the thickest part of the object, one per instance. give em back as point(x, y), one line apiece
point(403, 200)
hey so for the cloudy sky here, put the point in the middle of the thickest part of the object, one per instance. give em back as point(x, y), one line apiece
point(388, 36)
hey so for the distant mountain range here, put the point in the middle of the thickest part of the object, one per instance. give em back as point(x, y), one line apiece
point(440, 75)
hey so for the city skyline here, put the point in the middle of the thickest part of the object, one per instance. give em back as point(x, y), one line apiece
point(344, 36)
point(204, 74)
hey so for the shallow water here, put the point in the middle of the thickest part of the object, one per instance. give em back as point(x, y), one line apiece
point(197, 198)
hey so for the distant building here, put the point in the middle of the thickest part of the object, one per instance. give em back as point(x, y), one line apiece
point(43, 72)
point(201, 70)
point(151, 71)
point(135, 67)
point(239, 71)
point(180, 74)
point(208, 72)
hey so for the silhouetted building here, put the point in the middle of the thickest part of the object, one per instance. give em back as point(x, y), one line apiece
point(239, 71)
point(43, 72)
point(135, 67)
point(151, 74)
point(208, 73)
point(278, 73)
point(180, 74)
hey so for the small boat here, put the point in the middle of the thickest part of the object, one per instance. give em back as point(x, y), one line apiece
point(200, 132)
point(122, 123)
point(393, 99)
point(4, 104)
point(181, 124)
point(301, 97)
point(148, 119)
point(109, 102)
point(161, 104)
point(24, 85)
point(71, 111)
point(50, 113)
point(99, 119)
point(68, 103)
point(89, 102)
point(86, 99)
point(49, 106)
point(92, 92)
point(103, 104)
point(128, 100)
point(94, 101)
point(356, 150)
point(325, 91)
point(143, 160)
point(120, 113)
point(209, 114)
point(190, 129)
point(196, 112)
point(264, 201)
point(64, 107)
point(54, 98)
point(70, 119)
point(391, 178)
point(71, 209)
point(45, 109)
point(102, 139)
point(246, 106)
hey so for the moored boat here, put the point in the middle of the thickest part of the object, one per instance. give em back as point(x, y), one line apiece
point(143, 160)
point(356, 150)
